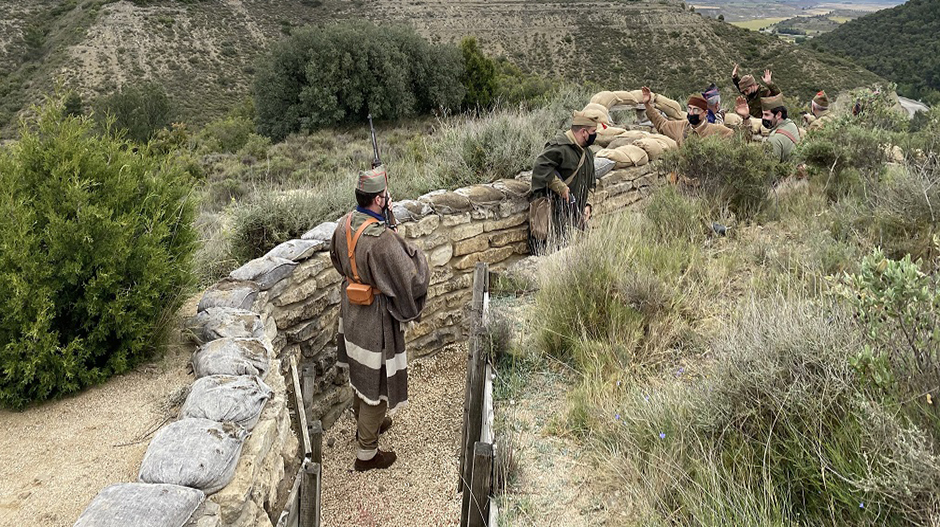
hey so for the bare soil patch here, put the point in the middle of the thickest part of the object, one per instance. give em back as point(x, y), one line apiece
point(420, 488)
point(54, 458)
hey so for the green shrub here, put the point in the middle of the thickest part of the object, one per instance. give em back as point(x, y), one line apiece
point(780, 429)
point(229, 134)
point(674, 215)
point(727, 173)
point(845, 157)
point(271, 218)
point(96, 252)
point(343, 72)
point(138, 109)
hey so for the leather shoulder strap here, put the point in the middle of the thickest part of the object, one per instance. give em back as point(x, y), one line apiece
point(786, 134)
point(352, 240)
point(578, 169)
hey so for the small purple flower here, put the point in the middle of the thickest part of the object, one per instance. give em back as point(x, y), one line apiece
point(617, 417)
point(662, 435)
point(680, 372)
point(646, 398)
point(861, 505)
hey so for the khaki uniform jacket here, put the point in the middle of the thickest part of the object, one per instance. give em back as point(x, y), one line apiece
point(679, 130)
point(782, 145)
point(820, 121)
point(753, 100)
point(557, 162)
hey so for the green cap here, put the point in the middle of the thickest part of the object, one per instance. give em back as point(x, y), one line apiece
point(373, 181)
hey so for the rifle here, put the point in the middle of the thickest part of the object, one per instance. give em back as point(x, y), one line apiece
point(377, 162)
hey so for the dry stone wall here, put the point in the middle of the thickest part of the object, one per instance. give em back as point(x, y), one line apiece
point(286, 304)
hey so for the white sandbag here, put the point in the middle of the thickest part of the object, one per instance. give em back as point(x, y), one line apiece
point(141, 505)
point(232, 356)
point(225, 398)
point(629, 98)
point(196, 453)
point(597, 111)
point(668, 106)
point(606, 135)
point(625, 156)
point(653, 148)
point(607, 99)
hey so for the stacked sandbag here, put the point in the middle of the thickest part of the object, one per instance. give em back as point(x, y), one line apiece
point(630, 98)
point(232, 356)
point(653, 148)
point(607, 99)
point(227, 398)
point(141, 505)
point(608, 134)
point(625, 156)
point(196, 453)
point(668, 106)
point(733, 120)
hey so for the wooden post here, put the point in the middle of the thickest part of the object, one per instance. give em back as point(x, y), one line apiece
point(310, 494)
point(308, 385)
point(291, 514)
point(480, 483)
point(298, 400)
point(473, 409)
point(316, 441)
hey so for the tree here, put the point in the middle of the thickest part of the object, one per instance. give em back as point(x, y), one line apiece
point(96, 250)
point(479, 76)
point(138, 109)
point(343, 72)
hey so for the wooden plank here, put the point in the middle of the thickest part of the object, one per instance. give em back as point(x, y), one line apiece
point(474, 410)
point(316, 441)
point(310, 494)
point(291, 512)
point(482, 479)
point(308, 387)
point(298, 399)
point(486, 430)
point(494, 514)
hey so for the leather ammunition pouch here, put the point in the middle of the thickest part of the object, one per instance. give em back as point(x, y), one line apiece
point(357, 292)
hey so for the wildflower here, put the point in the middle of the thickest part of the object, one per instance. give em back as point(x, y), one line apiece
point(861, 505)
point(662, 435)
point(617, 417)
point(680, 372)
point(618, 383)
point(646, 398)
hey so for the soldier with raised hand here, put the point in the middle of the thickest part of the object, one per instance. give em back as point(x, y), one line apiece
point(696, 120)
point(386, 284)
point(752, 91)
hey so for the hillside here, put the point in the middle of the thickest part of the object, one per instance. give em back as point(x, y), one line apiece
point(203, 51)
point(900, 44)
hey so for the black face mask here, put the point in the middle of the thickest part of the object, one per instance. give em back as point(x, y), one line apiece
point(590, 139)
point(768, 124)
point(694, 119)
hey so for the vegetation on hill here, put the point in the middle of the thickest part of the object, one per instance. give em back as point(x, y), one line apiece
point(204, 54)
point(899, 44)
point(96, 252)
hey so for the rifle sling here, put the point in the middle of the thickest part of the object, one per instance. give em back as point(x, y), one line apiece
point(352, 240)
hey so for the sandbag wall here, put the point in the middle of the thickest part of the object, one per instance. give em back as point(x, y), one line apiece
point(286, 305)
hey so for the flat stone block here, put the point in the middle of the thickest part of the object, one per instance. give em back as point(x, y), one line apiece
point(471, 245)
point(451, 220)
point(507, 222)
point(462, 232)
point(501, 238)
point(489, 256)
point(440, 256)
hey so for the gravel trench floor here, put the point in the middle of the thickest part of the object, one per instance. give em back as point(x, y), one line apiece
point(420, 488)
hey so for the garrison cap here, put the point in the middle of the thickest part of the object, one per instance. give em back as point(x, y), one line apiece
point(821, 99)
point(598, 111)
point(372, 181)
point(769, 103)
point(589, 118)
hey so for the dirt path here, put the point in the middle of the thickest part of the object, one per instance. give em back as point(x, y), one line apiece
point(54, 458)
point(420, 488)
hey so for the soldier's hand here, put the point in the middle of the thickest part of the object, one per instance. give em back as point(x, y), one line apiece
point(647, 95)
point(741, 108)
point(734, 72)
point(768, 77)
point(566, 194)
